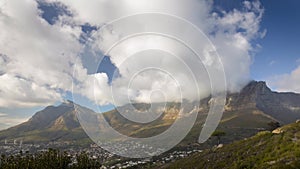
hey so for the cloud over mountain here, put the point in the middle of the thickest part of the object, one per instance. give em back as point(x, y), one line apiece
point(287, 82)
point(38, 59)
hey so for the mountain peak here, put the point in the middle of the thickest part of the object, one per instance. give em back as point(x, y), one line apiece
point(44, 117)
point(67, 102)
point(254, 82)
point(256, 87)
point(254, 106)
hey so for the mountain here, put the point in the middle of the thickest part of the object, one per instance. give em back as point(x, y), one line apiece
point(246, 113)
point(251, 110)
point(284, 107)
point(277, 149)
point(51, 124)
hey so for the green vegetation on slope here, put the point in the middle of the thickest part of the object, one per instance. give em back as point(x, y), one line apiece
point(264, 150)
point(48, 160)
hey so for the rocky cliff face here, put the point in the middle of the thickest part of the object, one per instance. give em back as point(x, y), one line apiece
point(249, 96)
point(284, 107)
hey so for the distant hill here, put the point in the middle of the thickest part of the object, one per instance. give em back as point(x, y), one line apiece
point(280, 149)
point(51, 124)
point(246, 113)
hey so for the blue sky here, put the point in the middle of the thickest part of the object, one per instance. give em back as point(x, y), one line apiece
point(280, 47)
point(278, 54)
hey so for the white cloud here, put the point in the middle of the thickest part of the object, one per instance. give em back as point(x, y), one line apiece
point(231, 33)
point(37, 59)
point(289, 82)
point(98, 12)
point(20, 92)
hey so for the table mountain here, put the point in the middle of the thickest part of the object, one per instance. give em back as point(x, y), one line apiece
point(246, 113)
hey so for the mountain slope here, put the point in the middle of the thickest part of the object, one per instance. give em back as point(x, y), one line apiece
point(280, 149)
point(51, 124)
point(246, 113)
point(284, 107)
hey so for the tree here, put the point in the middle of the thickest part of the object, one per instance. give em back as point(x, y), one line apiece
point(218, 134)
point(48, 160)
point(273, 125)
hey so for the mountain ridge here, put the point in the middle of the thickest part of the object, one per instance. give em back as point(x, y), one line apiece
point(246, 113)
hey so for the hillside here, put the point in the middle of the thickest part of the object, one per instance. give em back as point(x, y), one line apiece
point(60, 123)
point(249, 112)
point(51, 124)
point(246, 113)
point(280, 149)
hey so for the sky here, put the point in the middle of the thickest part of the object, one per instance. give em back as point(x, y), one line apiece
point(280, 51)
point(57, 48)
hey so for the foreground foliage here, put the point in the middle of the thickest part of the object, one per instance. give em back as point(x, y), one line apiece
point(264, 150)
point(48, 160)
